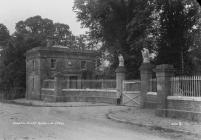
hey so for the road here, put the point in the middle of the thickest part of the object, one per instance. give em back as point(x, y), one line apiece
point(19, 122)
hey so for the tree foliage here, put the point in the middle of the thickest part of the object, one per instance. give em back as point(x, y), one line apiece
point(62, 35)
point(179, 26)
point(4, 35)
point(14, 67)
point(121, 26)
point(39, 29)
point(33, 32)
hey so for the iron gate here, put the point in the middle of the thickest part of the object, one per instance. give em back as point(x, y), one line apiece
point(131, 93)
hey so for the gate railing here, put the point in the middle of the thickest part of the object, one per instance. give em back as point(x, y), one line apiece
point(108, 84)
point(130, 86)
point(131, 93)
point(186, 86)
point(90, 84)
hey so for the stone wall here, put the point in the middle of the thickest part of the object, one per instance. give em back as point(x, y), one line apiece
point(151, 100)
point(188, 108)
point(184, 107)
point(80, 95)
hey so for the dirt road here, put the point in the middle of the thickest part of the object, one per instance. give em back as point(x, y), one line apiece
point(66, 123)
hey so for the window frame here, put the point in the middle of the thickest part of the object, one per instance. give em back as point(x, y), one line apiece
point(53, 64)
point(33, 83)
point(33, 64)
point(85, 65)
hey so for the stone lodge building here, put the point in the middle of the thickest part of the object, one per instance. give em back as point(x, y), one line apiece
point(43, 63)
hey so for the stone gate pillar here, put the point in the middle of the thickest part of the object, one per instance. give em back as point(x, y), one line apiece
point(120, 76)
point(58, 86)
point(146, 76)
point(164, 73)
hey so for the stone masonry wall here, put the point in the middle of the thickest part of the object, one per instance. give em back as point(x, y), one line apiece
point(186, 108)
point(80, 95)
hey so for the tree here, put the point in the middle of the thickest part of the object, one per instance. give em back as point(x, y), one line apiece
point(33, 32)
point(4, 35)
point(179, 21)
point(82, 42)
point(4, 38)
point(29, 34)
point(62, 35)
point(14, 67)
point(120, 25)
point(38, 29)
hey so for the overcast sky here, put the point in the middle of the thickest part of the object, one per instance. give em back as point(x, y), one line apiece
point(12, 11)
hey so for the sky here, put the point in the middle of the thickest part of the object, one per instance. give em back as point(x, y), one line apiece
point(12, 11)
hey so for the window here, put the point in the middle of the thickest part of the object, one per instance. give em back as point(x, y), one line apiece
point(83, 65)
point(53, 63)
point(33, 83)
point(33, 64)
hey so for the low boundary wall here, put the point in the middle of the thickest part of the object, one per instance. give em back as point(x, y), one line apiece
point(80, 95)
point(151, 100)
point(184, 107)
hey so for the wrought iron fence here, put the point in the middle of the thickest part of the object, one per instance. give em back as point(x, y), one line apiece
point(186, 86)
point(89, 84)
